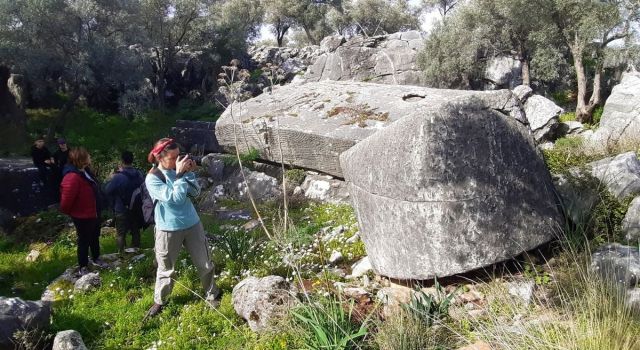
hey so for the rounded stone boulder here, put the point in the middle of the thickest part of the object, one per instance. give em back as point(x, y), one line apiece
point(451, 190)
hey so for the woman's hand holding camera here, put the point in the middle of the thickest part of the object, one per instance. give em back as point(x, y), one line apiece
point(184, 164)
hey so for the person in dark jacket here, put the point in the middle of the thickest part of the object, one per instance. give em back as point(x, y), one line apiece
point(120, 188)
point(61, 156)
point(79, 193)
point(45, 163)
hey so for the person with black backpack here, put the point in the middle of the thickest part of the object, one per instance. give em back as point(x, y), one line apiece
point(123, 189)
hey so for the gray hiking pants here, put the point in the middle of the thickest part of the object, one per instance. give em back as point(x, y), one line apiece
point(167, 247)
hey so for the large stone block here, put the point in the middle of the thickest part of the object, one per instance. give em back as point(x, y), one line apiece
point(449, 191)
point(310, 125)
point(21, 192)
point(196, 135)
point(620, 122)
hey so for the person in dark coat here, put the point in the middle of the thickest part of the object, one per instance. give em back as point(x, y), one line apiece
point(79, 199)
point(42, 159)
point(120, 188)
point(62, 154)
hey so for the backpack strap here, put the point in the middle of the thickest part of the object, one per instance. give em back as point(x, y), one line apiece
point(158, 173)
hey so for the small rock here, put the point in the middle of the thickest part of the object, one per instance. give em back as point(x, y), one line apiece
point(633, 299)
point(250, 225)
point(353, 239)
point(68, 340)
point(470, 296)
point(522, 290)
point(392, 298)
point(355, 293)
point(88, 282)
point(261, 300)
point(335, 257)
point(617, 264)
point(360, 268)
point(33, 255)
point(137, 258)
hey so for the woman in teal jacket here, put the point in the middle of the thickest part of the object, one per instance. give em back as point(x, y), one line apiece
point(171, 184)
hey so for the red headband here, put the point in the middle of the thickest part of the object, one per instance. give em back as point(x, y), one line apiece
point(157, 150)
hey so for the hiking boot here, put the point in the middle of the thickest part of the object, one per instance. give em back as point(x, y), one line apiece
point(154, 310)
point(100, 263)
point(82, 271)
point(214, 301)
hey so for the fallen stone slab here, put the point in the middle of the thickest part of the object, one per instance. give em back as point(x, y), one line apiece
point(449, 191)
point(310, 125)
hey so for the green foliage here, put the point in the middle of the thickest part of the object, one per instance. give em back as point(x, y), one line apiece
point(295, 176)
point(430, 309)
point(375, 17)
point(567, 117)
point(247, 158)
point(196, 110)
point(565, 98)
point(567, 153)
point(536, 273)
point(327, 325)
point(597, 115)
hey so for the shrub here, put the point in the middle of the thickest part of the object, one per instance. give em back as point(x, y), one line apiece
point(567, 117)
point(326, 324)
point(295, 176)
point(401, 331)
point(428, 308)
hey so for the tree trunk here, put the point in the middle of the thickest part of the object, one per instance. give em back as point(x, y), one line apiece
point(312, 40)
point(161, 86)
point(526, 72)
point(582, 113)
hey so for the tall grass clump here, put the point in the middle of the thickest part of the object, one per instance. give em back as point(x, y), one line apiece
point(578, 309)
point(328, 323)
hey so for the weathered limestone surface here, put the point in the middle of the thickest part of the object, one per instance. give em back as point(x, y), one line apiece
point(310, 125)
point(386, 59)
point(450, 190)
point(620, 122)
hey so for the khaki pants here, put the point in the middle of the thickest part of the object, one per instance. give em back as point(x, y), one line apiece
point(167, 248)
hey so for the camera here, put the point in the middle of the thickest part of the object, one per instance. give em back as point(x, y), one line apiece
point(196, 159)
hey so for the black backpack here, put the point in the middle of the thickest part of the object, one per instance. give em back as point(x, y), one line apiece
point(129, 194)
point(147, 204)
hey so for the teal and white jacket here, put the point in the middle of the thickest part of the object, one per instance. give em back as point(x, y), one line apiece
point(174, 210)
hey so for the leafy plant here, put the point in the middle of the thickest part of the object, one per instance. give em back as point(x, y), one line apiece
point(537, 273)
point(247, 158)
point(326, 325)
point(430, 308)
point(295, 176)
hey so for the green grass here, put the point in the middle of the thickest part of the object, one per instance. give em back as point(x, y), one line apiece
point(28, 280)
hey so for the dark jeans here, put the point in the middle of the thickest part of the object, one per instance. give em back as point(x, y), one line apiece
point(88, 231)
point(125, 223)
